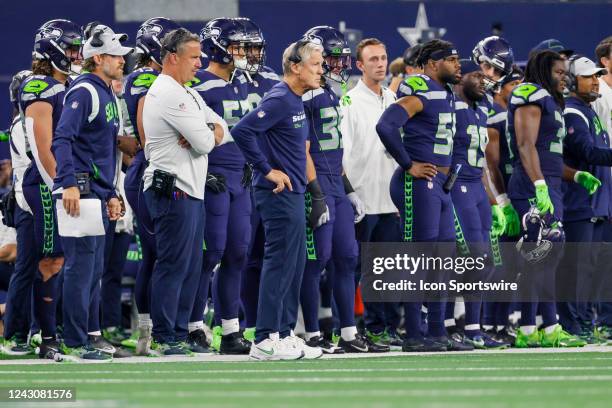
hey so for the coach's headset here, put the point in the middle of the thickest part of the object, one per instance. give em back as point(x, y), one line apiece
point(571, 81)
point(295, 51)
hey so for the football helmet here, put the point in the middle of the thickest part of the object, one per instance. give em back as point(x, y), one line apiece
point(496, 52)
point(234, 40)
point(540, 233)
point(150, 35)
point(336, 52)
point(16, 82)
point(58, 41)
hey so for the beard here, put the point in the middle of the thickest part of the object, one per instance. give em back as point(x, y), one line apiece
point(472, 93)
point(450, 78)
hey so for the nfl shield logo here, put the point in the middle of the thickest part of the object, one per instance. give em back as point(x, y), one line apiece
point(261, 114)
point(463, 189)
point(255, 84)
point(430, 185)
point(182, 106)
point(74, 105)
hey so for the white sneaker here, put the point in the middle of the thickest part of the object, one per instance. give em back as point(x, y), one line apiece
point(267, 349)
point(295, 342)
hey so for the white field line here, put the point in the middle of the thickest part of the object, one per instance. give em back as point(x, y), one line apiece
point(444, 356)
point(317, 380)
point(307, 370)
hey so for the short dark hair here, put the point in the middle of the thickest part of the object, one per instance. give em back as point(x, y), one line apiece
point(431, 47)
point(603, 50)
point(539, 71)
point(366, 42)
point(175, 39)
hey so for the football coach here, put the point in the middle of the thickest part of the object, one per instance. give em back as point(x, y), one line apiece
point(181, 130)
point(273, 139)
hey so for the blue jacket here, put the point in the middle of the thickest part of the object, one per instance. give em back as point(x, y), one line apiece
point(585, 148)
point(85, 139)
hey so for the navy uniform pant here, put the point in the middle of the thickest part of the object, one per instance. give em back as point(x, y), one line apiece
point(18, 313)
point(426, 213)
point(116, 247)
point(227, 235)
point(179, 232)
point(334, 240)
point(83, 267)
point(282, 216)
point(144, 229)
point(249, 289)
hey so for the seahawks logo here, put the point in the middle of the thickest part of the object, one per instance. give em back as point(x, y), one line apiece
point(49, 32)
point(314, 39)
point(150, 28)
point(525, 90)
point(210, 32)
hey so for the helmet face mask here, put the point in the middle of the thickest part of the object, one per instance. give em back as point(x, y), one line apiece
point(495, 57)
point(541, 233)
point(337, 68)
point(336, 52)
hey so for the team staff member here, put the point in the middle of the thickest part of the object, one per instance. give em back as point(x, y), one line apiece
point(84, 146)
point(181, 130)
point(584, 214)
point(273, 138)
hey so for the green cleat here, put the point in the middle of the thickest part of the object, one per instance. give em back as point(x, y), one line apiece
point(131, 341)
point(216, 340)
point(15, 347)
point(35, 340)
point(114, 336)
point(527, 341)
point(335, 338)
point(81, 354)
point(560, 338)
point(601, 334)
point(249, 334)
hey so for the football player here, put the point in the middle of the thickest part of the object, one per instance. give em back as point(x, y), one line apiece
point(232, 45)
point(137, 84)
point(536, 130)
point(41, 99)
point(473, 201)
point(334, 240)
point(426, 113)
point(17, 316)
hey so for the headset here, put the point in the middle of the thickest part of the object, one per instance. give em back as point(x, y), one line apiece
point(295, 51)
point(96, 41)
point(572, 81)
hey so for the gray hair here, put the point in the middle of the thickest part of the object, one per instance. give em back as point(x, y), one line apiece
point(302, 49)
point(174, 41)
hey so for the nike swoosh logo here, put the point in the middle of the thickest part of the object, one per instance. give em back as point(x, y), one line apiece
point(266, 351)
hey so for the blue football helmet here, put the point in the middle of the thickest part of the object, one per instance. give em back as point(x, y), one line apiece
point(540, 233)
point(58, 41)
point(496, 52)
point(234, 40)
point(16, 82)
point(336, 52)
point(150, 34)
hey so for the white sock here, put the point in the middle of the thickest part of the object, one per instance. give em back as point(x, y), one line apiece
point(487, 327)
point(539, 320)
point(230, 326)
point(193, 326)
point(310, 335)
point(348, 333)
point(95, 333)
point(325, 312)
point(111, 328)
point(144, 320)
point(449, 322)
point(500, 327)
point(550, 329)
point(274, 336)
point(472, 326)
point(527, 330)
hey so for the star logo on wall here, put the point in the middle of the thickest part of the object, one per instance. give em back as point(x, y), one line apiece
point(421, 29)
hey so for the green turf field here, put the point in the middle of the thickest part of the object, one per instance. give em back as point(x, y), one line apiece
point(582, 379)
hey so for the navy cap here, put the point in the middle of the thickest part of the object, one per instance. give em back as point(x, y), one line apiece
point(467, 66)
point(553, 45)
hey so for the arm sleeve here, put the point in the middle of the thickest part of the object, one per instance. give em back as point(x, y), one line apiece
point(393, 118)
point(578, 141)
point(264, 117)
point(190, 123)
point(77, 107)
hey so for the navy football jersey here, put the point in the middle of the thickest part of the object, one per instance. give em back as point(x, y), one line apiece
point(41, 88)
point(137, 84)
point(470, 139)
point(497, 120)
point(549, 144)
point(230, 101)
point(260, 84)
point(428, 136)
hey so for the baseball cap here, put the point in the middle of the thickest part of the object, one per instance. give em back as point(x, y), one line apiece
point(103, 40)
point(583, 66)
point(467, 66)
point(553, 45)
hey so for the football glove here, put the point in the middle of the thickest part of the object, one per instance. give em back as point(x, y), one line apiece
point(215, 183)
point(356, 202)
point(513, 223)
point(542, 198)
point(247, 175)
point(499, 220)
point(587, 180)
point(319, 212)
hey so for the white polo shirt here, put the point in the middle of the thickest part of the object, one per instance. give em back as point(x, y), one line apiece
point(367, 163)
point(172, 110)
point(603, 105)
point(20, 161)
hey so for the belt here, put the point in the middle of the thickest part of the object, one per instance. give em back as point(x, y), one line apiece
point(179, 194)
